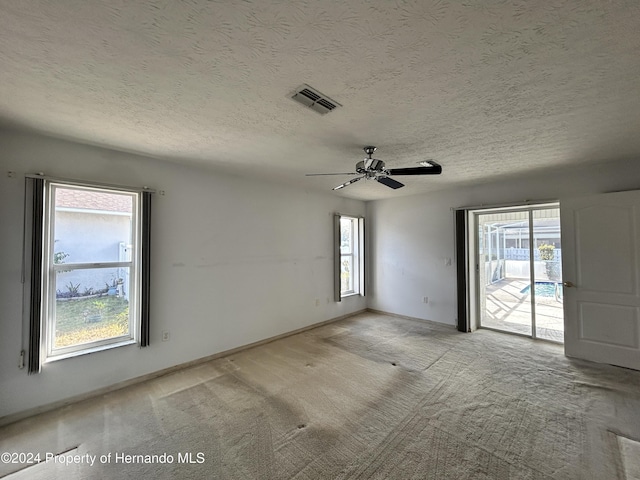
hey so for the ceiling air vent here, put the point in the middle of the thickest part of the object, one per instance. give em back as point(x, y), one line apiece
point(315, 100)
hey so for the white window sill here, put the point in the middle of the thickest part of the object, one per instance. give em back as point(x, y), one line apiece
point(345, 295)
point(85, 351)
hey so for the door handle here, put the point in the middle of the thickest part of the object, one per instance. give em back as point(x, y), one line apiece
point(568, 284)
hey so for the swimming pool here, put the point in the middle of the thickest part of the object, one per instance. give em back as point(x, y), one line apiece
point(544, 289)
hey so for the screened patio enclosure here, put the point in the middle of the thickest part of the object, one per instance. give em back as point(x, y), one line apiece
point(519, 271)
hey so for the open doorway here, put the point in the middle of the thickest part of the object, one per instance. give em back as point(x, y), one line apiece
point(518, 259)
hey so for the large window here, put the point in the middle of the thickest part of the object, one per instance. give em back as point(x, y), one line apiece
point(91, 257)
point(90, 272)
point(350, 251)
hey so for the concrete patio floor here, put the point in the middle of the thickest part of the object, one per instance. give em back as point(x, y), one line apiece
point(506, 308)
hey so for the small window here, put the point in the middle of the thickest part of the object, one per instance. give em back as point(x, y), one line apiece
point(350, 250)
point(91, 284)
point(348, 260)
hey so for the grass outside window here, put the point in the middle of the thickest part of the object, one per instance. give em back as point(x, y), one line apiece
point(83, 320)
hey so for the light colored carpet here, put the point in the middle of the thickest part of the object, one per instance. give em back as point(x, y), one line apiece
point(373, 396)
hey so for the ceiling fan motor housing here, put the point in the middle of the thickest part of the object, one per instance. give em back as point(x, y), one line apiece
point(374, 165)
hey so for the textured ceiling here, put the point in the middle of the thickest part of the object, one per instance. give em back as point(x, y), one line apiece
point(487, 88)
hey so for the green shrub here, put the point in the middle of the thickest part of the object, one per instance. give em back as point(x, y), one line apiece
point(547, 252)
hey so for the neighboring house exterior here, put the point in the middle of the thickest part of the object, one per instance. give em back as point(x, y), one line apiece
point(92, 227)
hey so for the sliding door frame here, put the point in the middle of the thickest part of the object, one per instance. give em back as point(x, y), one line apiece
point(474, 263)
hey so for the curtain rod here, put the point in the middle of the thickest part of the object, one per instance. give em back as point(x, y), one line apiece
point(348, 215)
point(506, 205)
point(86, 183)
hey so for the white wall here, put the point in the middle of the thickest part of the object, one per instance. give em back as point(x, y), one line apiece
point(234, 261)
point(410, 237)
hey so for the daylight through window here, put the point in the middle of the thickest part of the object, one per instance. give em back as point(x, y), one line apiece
point(91, 262)
point(351, 248)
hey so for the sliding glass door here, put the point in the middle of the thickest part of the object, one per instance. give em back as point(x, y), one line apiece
point(518, 265)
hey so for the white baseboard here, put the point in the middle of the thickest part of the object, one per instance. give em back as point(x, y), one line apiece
point(413, 319)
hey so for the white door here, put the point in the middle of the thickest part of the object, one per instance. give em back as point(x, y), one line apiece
point(601, 245)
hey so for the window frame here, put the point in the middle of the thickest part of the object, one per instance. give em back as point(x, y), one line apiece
point(356, 253)
point(352, 254)
point(48, 352)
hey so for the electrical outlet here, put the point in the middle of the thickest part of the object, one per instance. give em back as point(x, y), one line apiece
point(317, 302)
point(425, 299)
point(165, 336)
point(11, 174)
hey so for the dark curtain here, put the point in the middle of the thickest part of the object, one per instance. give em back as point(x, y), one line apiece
point(37, 232)
point(461, 266)
point(336, 259)
point(146, 269)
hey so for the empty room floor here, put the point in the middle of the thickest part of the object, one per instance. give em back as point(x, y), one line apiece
point(373, 396)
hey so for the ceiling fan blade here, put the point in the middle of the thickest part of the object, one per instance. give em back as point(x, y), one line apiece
point(390, 182)
point(434, 169)
point(346, 184)
point(318, 174)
